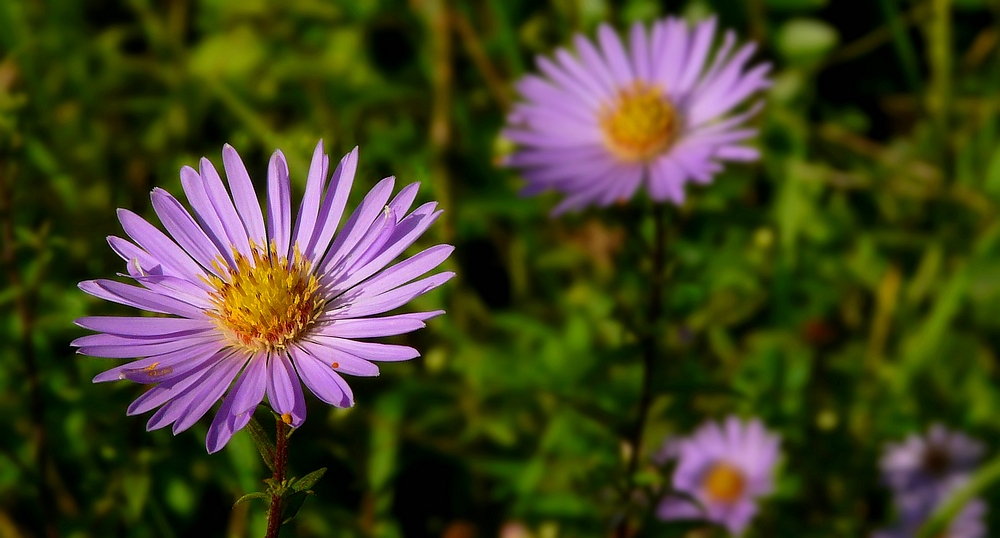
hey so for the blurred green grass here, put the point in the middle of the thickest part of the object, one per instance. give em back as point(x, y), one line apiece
point(845, 289)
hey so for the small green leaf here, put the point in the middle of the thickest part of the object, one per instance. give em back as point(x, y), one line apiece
point(308, 481)
point(291, 504)
point(255, 495)
point(262, 442)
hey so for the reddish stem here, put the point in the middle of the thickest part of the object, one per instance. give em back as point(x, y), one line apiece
point(280, 466)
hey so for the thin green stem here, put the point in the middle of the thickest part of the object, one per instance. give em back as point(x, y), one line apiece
point(939, 94)
point(938, 522)
point(648, 343)
point(901, 41)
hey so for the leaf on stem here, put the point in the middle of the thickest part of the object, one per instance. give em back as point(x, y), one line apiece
point(255, 495)
point(262, 442)
point(308, 481)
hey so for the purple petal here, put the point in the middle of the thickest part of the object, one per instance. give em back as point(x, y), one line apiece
point(185, 230)
point(243, 195)
point(370, 350)
point(134, 255)
point(164, 392)
point(333, 205)
point(374, 327)
point(640, 52)
point(403, 235)
point(370, 305)
point(279, 202)
point(401, 203)
point(223, 425)
point(284, 390)
point(131, 326)
point(593, 63)
point(204, 212)
point(141, 298)
point(305, 222)
point(169, 366)
point(165, 367)
point(614, 54)
point(340, 361)
point(701, 43)
point(404, 271)
point(250, 386)
point(224, 209)
point(676, 43)
point(159, 246)
point(358, 223)
point(673, 508)
point(321, 379)
point(203, 397)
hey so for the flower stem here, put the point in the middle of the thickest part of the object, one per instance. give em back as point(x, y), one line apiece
point(648, 342)
point(280, 467)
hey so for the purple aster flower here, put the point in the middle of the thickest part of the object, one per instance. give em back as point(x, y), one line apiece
point(257, 309)
point(657, 111)
point(923, 467)
point(915, 510)
point(722, 469)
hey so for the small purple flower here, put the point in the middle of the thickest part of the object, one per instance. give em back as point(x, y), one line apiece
point(599, 123)
point(722, 470)
point(924, 467)
point(914, 512)
point(259, 310)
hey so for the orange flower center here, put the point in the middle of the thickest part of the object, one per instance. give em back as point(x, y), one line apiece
point(267, 300)
point(724, 483)
point(640, 124)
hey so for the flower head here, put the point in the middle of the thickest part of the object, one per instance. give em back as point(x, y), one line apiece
point(922, 467)
point(258, 310)
point(722, 469)
point(658, 112)
point(914, 512)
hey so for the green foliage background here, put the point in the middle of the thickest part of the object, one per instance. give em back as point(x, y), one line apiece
point(846, 289)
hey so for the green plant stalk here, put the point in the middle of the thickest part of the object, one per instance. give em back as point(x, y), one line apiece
point(984, 478)
point(280, 468)
point(648, 352)
point(901, 42)
point(939, 51)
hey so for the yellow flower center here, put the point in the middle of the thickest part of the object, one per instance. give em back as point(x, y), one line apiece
point(267, 300)
point(640, 124)
point(724, 483)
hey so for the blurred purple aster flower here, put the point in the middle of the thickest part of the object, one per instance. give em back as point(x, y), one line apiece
point(657, 111)
point(924, 467)
point(914, 510)
point(259, 310)
point(722, 470)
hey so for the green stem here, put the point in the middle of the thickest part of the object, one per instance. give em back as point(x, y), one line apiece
point(901, 41)
point(939, 95)
point(653, 314)
point(946, 512)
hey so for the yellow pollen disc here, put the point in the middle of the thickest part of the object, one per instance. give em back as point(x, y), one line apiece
point(286, 418)
point(640, 124)
point(724, 483)
point(266, 301)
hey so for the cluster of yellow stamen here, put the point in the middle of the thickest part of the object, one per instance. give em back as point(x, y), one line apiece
point(267, 300)
point(724, 483)
point(640, 124)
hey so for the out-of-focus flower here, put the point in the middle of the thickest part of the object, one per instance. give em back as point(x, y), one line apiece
point(255, 311)
point(722, 469)
point(656, 112)
point(515, 529)
point(915, 511)
point(922, 468)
